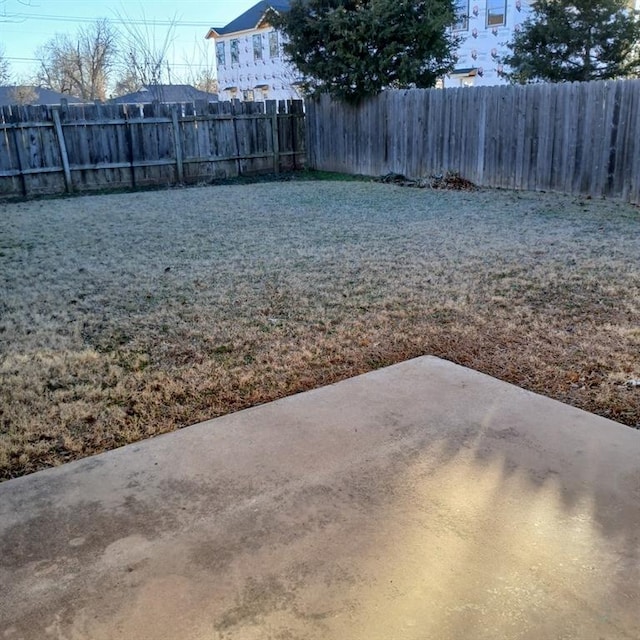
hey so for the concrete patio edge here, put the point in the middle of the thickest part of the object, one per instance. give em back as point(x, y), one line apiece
point(419, 500)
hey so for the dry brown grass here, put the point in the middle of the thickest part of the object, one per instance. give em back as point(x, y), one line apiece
point(125, 316)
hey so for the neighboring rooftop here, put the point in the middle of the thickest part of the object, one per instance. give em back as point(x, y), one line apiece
point(251, 18)
point(165, 93)
point(30, 94)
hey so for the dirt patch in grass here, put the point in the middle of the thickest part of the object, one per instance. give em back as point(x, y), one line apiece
point(129, 315)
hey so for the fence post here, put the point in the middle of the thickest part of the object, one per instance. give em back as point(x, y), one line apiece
point(21, 165)
point(178, 143)
point(482, 128)
point(296, 112)
point(236, 106)
point(128, 132)
point(16, 117)
point(271, 108)
point(63, 150)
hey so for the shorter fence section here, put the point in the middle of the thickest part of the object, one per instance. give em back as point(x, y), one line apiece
point(50, 150)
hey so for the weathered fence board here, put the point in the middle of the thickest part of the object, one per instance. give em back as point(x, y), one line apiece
point(48, 150)
point(581, 138)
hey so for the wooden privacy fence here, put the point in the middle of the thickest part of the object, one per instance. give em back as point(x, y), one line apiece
point(576, 138)
point(48, 150)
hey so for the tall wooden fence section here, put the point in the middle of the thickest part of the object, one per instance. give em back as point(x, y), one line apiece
point(49, 150)
point(576, 138)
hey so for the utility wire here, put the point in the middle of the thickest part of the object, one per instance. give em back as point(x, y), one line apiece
point(23, 17)
point(173, 64)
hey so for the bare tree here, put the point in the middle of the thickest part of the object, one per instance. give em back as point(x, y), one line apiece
point(79, 65)
point(203, 79)
point(200, 69)
point(56, 64)
point(24, 94)
point(127, 82)
point(143, 55)
point(4, 67)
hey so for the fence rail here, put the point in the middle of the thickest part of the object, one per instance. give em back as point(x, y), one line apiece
point(581, 138)
point(49, 150)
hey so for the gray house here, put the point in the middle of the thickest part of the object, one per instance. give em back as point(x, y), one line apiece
point(167, 93)
point(27, 94)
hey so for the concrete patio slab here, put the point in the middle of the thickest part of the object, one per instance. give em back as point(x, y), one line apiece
point(419, 501)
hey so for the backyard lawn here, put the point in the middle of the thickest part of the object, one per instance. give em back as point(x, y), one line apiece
point(128, 315)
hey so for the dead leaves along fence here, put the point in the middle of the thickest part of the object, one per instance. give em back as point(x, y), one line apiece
point(581, 138)
point(50, 150)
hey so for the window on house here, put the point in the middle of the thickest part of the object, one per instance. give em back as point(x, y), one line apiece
point(247, 95)
point(496, 13)
point(274, 49)
point(462, 15)
point(220, 53)
point(261, 92)
point(257, 47)
point(235, 51)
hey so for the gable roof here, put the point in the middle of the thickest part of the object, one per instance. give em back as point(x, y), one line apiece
point(251, 18)
point(165, 93)
point(41, 95)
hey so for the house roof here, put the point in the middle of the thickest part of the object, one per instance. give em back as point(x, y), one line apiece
point(165, 93)
point(41, 95)
point(466, 71)
point(251, 18)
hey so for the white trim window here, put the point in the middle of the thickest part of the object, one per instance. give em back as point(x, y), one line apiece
point(462, 15)
point(234, 45)
point(220, 57)
point(257, 47)
point(274, 45)
point(496, 13)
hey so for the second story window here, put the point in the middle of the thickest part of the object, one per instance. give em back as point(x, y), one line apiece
point(274, 48)
point(462, 15)
point(235, 51)
point(257, 47)
point(220, 54)
point(496, 13)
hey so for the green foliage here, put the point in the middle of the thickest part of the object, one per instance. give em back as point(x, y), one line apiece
point(576, 40)
point(355, 48)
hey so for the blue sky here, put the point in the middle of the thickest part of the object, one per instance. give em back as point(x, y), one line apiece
point(26, 24)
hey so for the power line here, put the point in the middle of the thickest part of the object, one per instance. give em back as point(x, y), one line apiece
point(23, 17)
point(173, 64)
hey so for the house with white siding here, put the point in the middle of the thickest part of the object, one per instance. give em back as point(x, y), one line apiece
point(249, 59)
point(251, 65)
point(485, 26)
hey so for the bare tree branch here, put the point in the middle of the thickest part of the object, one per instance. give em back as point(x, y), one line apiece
point(201, 68)
point(12, 16)
point(79, 65)
point(143, 55)
point(4, 67)
point(24, 94)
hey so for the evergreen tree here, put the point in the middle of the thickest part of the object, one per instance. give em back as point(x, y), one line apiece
point(356, 48)
point(576, 40)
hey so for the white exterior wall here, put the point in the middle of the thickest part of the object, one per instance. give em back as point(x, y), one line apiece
point(485, 44)
point(249, 73)
point(481, 49)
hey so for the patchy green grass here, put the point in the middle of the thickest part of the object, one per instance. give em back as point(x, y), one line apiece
point(124, 316)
